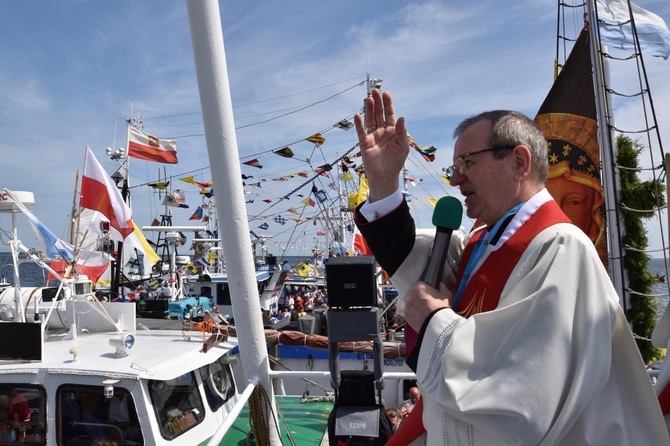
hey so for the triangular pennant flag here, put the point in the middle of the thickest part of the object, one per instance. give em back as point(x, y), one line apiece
point(286, 152)
point(160, 185)
point(316, 138)
point(197, 215)
point(254, 163)
point(428, 153)
point(323, 170)
point(344, 124)
point(309, 202)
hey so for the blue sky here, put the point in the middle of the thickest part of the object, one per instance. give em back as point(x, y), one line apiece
point(73, 71)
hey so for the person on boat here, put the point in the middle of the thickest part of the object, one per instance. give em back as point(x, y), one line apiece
point(524, 342)
point(20, 407)
point(6, 431)
point(394, 418)
point(414, 394)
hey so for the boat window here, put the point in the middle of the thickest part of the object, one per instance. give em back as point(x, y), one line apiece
point(86, 416)
point(223, 294)
point(219, 385)
point(177, 404)
point(22, 414)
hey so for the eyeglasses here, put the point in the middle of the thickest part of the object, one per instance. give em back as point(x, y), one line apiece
point(460, 164)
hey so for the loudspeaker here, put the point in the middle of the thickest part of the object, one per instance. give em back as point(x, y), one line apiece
point(350, 282)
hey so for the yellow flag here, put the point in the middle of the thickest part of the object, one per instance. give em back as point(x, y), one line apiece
point(189, 180)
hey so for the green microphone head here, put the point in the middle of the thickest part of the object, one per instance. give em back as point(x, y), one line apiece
point(448, 213)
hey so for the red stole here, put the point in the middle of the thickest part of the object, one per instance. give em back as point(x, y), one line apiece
point(483, 290)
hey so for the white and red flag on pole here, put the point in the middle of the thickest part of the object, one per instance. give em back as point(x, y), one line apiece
point(99, 193)
point(147, 147)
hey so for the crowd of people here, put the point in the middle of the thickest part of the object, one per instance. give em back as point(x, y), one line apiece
point(303, 300)
point(400, 414)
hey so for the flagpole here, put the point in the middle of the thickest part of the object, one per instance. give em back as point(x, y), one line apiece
point(610, 177)
point(217, 112)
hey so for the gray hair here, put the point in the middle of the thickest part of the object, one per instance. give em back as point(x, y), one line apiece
point(511, 128)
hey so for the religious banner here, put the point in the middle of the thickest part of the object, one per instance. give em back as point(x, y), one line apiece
point(568, 120)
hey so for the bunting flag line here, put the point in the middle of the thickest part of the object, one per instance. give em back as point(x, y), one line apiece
point(615, 29)
point(254, 163)
point(47, 242)
point(147, 147)
point(246, 177)
point(99, 193)
point(286, 152)
point(264, 226)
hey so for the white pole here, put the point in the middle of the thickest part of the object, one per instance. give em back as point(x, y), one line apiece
point(217, 114)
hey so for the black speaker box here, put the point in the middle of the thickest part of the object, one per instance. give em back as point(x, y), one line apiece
point(350, 282)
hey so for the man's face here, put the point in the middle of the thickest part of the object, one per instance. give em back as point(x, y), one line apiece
point(487, 183)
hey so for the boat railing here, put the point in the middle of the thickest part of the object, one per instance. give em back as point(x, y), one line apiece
point(326, 374)
point(253, 382)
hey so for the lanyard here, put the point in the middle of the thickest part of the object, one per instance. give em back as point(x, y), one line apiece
point(480, 248)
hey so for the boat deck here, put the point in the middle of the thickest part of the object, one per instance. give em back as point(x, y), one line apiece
point(308, 423)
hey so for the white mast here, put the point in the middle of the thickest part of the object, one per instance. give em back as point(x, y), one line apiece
point(610, 175)
point(217, 113)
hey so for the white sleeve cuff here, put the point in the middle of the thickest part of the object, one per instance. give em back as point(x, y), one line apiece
point(379, 208)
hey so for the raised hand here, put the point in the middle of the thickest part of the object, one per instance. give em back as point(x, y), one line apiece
point(384, 144)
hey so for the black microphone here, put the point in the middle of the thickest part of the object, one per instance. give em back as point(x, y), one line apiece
point(447, 217)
